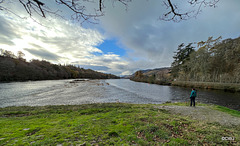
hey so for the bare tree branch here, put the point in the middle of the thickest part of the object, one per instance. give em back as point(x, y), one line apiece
point(80, 12)
point(200, 4)
point(34, 5)
point(174, 15)
point(39, 5)
point(100, 5)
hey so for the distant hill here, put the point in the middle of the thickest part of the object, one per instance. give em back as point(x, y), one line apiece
point(150, 72)
point(126, 77)
point(154, 76)
point(14, 68)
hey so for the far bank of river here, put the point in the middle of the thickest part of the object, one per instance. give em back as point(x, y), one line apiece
point(229, 87)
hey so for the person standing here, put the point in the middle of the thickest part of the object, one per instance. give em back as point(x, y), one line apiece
point(193, 96)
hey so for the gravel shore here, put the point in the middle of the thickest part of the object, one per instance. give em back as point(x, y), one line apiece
point(204, 113)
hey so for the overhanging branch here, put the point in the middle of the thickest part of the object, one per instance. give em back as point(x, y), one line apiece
point(80, 12)
point(174, 15)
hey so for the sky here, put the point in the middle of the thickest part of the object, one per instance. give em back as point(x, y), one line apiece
point(124, 40)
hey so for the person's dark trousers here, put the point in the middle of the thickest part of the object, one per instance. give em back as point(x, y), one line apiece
point(192, 101)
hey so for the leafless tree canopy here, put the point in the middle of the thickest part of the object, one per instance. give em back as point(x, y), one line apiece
point(173, 13)
point(80, 13)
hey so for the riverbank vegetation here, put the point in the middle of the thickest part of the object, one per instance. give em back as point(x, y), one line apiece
point(16, 68)
point(211, 64)
point(212, 61)
point(109, 124)
point(230, 87)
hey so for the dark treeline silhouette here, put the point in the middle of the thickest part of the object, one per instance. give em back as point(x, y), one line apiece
point(16, 68)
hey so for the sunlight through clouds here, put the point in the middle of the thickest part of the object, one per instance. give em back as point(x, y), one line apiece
point(59, 42)
point(136, 37)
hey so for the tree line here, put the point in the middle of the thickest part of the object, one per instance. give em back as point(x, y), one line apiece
point(153, 76)
point(212, 60)
point(16, 68)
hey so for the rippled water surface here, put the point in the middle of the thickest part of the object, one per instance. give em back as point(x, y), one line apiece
point(62, 92)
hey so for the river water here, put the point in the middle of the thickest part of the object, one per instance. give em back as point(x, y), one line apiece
point(64, 92)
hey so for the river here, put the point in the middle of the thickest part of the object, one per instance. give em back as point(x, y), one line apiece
point(64, 92)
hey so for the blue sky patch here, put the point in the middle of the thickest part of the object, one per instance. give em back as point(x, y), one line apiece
point(111, 46)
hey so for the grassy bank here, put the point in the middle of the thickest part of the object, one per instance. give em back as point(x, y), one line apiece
point(106, 124)
point(209, 85)
point(151, 81)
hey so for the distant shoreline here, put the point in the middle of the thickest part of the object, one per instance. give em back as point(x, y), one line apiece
point(228, 87)
point(231, 87)
point(73, 80)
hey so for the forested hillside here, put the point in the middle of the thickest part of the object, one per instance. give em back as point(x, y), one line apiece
point(16, 68)
point(212, 64)
point(212, 61)
point(153, 76)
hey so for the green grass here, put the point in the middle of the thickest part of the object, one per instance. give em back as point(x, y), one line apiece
point(184, 103)
point(107, 124)
point(227, 110)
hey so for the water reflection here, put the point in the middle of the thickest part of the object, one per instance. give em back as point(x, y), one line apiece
point(62, 92)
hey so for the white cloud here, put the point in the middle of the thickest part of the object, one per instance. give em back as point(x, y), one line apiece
point(57, 41)
point(152, 42)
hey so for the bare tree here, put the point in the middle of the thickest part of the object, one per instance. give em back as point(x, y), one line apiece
point(175, 15)
point(80, 13)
